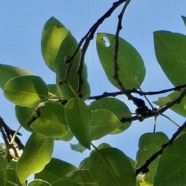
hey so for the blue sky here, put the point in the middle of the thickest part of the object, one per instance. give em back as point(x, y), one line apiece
point(20, 35)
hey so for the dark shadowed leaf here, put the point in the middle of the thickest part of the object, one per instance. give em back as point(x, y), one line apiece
point(55, 170)
point(131, 65)
point(184, 19)
point(170, 52)
point(79, 118)
point(37, 153)
point(172, 165)
point(8, 72)
point(66, 182)
point(110, 166)
point(149, 143)
point(39, 183)
point(26, 91)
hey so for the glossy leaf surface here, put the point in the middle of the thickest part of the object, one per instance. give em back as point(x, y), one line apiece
point(51, 124)
point(170, 52)
point(172, 165)
point(117, 107)
point(149, 143)
point(110, 166)
point(131, 65)
point(79, 119)
point(8, 72)
point(26, 91)
point(55, 170)
point(37, 153)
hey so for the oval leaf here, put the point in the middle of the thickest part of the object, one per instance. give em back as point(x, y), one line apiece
point(170, 52)
point(172, 165)
point(117, 107)
point(38, 183)
point(131, 65)
point(110, 166)
point(51, 121)
point(103, 123)
point(55, 170)
point(37, 153)
point(26, 91)
point(79, 118)
point(8, 72)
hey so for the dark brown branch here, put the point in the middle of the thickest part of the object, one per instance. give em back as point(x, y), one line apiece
point(86, 40)
point(144, 168)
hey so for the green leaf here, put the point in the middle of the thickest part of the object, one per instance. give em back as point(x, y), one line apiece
point(66, 183)
point(77, 147)
point(37, 153)
point(79, 118)
point(51, 121)
point(131, 65)
point(172, 165)
point(57, 45)
point(8, 72)
point(84, 163)
point(103, 123)
point(38, 183)
point(83, 177)
point(8, 177)
point(55, 170)
point(110, 166)
point(184, 19)
point(26, 91)
point(149, 143)
point(170, 52)
point(54, 90)
point(178, 108)
point(117, 107)
point(24, 115)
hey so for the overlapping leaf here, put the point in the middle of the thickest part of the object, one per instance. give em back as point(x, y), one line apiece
point(8, 72)
point(149, 143)
point(131, 65)
point(26, 91)
point(55, 170)
point(79, 118)
point(51, 120)
point(172, 165)
point(57, 45)
point(110, 166)
point(170, 52)
point(37, 153)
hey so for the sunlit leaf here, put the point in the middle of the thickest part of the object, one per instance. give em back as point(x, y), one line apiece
point(79, 119)
point(117, 107)
point(170, 52)
point(55, 170)
point(51, 121)
point(131, 65)
point(57, 45)
point(26, 91)
point(179, 108)
point(172, 165)
point(83, 177)
point(24, 115)
point(55, 90)
point(67, 137)
point(37, 153)
point(149, 143)
point(110, 166)
point(77, 147)
point(103, 123)
point(8, 72)
point(39, 183)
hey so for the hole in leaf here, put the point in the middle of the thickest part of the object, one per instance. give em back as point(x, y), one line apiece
point(107, 43)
